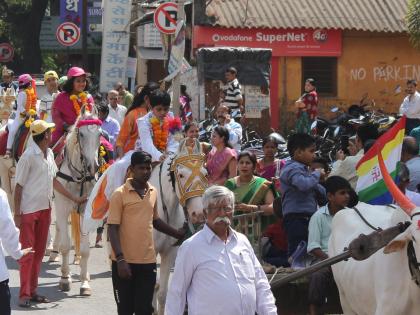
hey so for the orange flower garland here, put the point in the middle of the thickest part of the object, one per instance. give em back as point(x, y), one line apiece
point(76, 104)
point(31, 99)
point(160, 133)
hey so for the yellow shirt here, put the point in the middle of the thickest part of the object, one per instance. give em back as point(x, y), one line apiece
point(134, 216)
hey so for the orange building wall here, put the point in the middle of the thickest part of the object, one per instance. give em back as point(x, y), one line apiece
point(373, 66)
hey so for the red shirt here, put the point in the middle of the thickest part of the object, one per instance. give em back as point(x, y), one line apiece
point(277, 235)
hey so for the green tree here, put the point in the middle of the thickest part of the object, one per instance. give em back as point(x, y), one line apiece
point(413, 22)
point(20, 23)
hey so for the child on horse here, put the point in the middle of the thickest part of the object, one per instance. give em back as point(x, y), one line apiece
point(157, 128)
point(25, 111)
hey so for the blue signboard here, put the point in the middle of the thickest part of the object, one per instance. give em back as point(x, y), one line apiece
point(71, 11)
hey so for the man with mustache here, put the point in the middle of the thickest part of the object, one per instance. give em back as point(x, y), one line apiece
point(216, 270)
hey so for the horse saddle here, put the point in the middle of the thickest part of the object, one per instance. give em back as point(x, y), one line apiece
point(19, 143)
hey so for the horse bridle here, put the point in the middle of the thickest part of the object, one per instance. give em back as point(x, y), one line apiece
point(84, 178)
point(185, 194)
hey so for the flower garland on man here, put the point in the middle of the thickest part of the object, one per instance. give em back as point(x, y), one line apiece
point(158, 128)
point(25, 111)
point(67, 105)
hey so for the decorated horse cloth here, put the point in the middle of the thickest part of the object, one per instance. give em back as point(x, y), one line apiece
point(19, 144)
point(188, 187)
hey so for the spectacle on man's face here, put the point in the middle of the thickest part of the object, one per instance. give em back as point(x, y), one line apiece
point(219, 215)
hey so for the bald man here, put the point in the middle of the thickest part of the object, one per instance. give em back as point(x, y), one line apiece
point(234, 128)
point(410, 156)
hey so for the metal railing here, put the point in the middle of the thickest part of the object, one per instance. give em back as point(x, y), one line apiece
point(250, 225)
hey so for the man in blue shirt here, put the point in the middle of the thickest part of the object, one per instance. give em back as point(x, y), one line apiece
point(109, 124)
point(338, 193)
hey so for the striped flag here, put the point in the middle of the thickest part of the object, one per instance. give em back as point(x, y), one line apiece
point(371, 187)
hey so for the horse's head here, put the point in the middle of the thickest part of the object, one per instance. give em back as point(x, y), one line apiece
point(189, 177)
point(87, 137)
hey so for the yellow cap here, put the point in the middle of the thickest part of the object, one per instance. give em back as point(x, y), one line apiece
point(50, 74)
point(39, 126)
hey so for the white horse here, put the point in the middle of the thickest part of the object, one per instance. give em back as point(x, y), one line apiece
point(77, 174)
point(180, 181)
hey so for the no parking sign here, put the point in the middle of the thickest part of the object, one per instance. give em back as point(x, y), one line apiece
point(68, 34)
point(6, 52)
point(165, 17)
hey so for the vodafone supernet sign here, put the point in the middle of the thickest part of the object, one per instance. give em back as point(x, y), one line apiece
point(260, 37)
point(294, 42)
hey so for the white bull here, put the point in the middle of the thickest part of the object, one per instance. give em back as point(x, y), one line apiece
point(382, 284)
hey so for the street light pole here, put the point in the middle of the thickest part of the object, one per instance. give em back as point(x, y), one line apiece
point(176, 83)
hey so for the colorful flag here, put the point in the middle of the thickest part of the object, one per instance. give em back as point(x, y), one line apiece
point(371, 187)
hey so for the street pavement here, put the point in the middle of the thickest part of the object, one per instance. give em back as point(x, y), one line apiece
point(65, 303)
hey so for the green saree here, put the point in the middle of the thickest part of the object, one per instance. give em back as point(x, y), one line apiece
point(253, 193)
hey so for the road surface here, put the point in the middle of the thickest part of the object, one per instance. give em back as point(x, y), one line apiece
point(69, 303)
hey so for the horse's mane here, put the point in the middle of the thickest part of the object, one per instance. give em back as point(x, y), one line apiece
point(71, 140)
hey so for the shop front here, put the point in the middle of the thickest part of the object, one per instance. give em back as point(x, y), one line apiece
point(283, 43)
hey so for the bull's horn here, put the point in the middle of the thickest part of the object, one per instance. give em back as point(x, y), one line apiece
point(396, 193)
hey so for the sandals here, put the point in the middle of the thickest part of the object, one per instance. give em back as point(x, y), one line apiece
point(39, 299)
point(25, 303)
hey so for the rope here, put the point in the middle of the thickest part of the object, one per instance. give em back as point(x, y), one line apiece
point(274, 275)
point(365, 221)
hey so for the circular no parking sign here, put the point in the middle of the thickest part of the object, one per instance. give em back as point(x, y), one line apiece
point(6, 52)
point(68, 34)
point(165, 17)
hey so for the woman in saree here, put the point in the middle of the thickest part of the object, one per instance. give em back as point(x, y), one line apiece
point(252, 193)
point(221, 160)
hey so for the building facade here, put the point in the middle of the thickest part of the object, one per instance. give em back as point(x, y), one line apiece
point(358, 51)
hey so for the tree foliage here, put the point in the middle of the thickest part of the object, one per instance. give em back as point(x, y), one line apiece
point(20, 24)
point(413, 22)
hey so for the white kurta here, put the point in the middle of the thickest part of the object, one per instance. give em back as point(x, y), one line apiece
point(145, 139)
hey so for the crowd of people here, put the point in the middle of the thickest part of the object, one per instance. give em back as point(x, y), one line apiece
point(217, 266)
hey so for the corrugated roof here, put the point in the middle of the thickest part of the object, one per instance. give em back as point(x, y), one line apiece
point(365, 15)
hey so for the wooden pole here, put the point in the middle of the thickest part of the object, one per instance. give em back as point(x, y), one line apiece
point(176, 83)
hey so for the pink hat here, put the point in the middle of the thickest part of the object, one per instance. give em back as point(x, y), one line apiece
point(75, 72)
point(24, 79)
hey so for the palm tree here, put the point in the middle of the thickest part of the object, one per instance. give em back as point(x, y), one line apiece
point(413, 22)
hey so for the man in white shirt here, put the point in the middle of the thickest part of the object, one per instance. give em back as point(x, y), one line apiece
point(35, 181)
point(9, 238)
point(51, 83)
point(234, 128)
point(410, 107)
point(410, 156)
point(116, 110)
point(404, 181)
point(216, 270)
point(346, 166)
